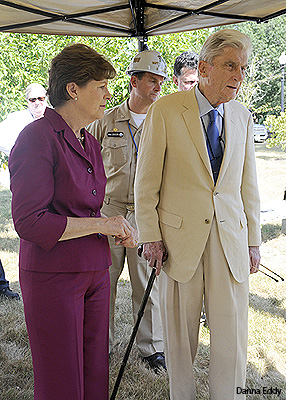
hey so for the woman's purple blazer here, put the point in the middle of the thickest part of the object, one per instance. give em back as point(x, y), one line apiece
point(52, 178)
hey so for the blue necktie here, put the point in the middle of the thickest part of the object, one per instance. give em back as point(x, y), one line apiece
point(213, 144)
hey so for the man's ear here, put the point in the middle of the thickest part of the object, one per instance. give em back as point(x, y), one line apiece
point(202, 68)
point(71, 88)
point(134, 81)
point(175, 80)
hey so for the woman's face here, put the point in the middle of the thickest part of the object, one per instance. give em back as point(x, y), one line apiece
point(92, 99)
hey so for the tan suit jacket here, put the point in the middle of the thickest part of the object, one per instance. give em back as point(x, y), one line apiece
point(175, 196)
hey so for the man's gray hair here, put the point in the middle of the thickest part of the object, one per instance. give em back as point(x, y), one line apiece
point(215, 43)
point(33, 86)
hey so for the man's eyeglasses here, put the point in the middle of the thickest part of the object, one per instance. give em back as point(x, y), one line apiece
point(33, 99)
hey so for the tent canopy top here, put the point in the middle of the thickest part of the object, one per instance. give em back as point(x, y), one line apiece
point(133, 18)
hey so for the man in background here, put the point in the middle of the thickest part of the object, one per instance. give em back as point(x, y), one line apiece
point(186, 70)
point(5, 291)
point(16, 121)
point(119, 134)
point(9, 130)
point(185, 78)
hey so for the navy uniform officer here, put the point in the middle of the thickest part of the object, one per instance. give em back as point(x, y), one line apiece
point(119, 132)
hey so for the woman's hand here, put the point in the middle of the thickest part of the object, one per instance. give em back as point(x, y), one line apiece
point(120, 229)
point(131, 241)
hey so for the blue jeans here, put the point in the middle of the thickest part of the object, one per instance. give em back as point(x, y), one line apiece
point(3, 282)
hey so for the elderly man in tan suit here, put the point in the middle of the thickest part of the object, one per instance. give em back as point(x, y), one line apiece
point(197, 201)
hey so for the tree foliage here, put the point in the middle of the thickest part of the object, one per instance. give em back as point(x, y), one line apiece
point(277, 125)
point(26, 58)
point(261, 90)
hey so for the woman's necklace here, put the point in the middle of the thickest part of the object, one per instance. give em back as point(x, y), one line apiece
point(82, 137)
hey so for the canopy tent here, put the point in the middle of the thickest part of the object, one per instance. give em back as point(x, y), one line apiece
point(134, 18)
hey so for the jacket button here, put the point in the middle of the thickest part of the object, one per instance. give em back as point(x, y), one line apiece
point(92, 214)
point(94, 192)
point(89, 170)
point(99, 235)
point(207, 221)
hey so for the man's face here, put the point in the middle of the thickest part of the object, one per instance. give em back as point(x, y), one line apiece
point(37, 102)
point(187, 80)
point(220, 82)
point(148, 88)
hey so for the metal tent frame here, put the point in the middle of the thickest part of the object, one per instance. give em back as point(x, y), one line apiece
point(133, 18)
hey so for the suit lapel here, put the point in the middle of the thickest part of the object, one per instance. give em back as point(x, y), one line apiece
point(192, 119)
point(230, 117)
point(61, 127)
point(74, 143)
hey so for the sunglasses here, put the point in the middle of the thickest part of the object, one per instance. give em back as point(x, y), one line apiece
point(32, 100)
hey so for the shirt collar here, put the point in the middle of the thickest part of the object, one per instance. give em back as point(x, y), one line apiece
point(204, 105)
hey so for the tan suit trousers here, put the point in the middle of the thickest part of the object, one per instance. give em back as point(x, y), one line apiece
point(149, 338)
point(226, 305)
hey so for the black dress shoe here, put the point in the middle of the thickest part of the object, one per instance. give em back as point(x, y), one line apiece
point(156, 361)
point(8, 294)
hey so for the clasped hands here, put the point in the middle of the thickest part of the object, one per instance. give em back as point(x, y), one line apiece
point(119, 228)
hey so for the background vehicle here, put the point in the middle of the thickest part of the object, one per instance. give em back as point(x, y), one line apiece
point(260, 133)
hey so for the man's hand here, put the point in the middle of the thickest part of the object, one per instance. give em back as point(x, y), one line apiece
point(254, 259)
point(155, 251)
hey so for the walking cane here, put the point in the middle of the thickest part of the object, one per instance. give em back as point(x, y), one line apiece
point(136, 326)
point(270, 270)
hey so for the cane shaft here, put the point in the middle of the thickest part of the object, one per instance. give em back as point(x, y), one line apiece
point(272, 277)
point(273, 272)
point(134, 332)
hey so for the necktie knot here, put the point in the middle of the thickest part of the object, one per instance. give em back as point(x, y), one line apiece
point(213, 115)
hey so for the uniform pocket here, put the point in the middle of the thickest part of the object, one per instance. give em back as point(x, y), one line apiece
point(115, 151)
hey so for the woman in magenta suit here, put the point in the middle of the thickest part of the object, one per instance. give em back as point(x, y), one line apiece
point(58, 183)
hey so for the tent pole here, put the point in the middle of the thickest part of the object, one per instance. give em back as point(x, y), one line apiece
point(142, 43)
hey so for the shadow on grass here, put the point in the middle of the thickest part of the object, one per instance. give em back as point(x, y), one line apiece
point(5, 209)
point(16, 371)
point(271, 152)
point(270, 231)
point(9, 244)
point(264, 386)
point(267, 157)
point(269, 305)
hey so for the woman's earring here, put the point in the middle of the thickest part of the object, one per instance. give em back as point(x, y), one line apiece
point(75, 98)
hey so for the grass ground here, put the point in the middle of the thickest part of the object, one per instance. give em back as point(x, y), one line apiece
point(267, 316)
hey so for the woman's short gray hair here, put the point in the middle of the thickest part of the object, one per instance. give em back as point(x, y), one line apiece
point(215, 43)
